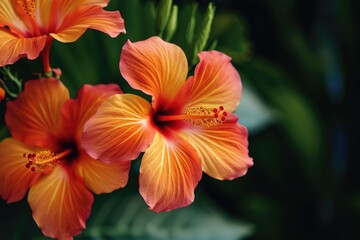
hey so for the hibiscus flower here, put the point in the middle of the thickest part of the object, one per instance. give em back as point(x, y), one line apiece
point(45, 156)
point(188, 128)
point(27, 27)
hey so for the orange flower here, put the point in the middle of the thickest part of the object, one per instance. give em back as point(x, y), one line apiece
point(2, 94)
point(44, 155)
point(189, 125)
point(27, 27)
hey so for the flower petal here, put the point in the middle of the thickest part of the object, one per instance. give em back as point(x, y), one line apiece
point(119, 130)
point(15, 178)
point(154, 66)
point(2, 94)
point(223, 149)
point(13, 47)
point(60, 203)
point(60, 9)
point(216, 82)
point(66, 6)
point(100, 177)
point(35, 116)
point(76, 23)
point(9, 17)
point(76, 112)
point(169, 173)
point(43, 14)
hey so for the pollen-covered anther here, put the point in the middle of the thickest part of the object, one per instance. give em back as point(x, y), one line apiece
point(204, 116)
point(28, 6)
point(44, 160)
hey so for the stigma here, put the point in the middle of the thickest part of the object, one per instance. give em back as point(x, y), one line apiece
point(44, 161)
point(28, 6)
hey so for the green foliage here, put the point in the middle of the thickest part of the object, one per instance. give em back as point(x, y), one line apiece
point(191, 25)
point(121, 217)
point(172, 24)
point(253, 112)
point(202, 32)
point(295, 115)
point(162, 15)
point(11, 79)
point(230, 31)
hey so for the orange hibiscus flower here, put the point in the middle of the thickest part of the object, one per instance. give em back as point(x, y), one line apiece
point(27, 27)
point(44, 155)
point(189, 125)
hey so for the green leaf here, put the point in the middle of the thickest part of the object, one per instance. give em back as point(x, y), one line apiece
point(3, 132)
point(252, 111)
point(230, 31)
point(172, 24)
point(17, 222)
point(191, 25)
point(268, 214)
point(202, 32)
point(129, 218)
point(295, 115)
point(163, 14)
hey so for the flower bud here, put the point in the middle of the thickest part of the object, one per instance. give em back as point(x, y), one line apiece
point(2, 94)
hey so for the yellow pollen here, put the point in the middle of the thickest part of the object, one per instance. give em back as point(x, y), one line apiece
point(28, 6)
point(44, 160)
point(204, 116)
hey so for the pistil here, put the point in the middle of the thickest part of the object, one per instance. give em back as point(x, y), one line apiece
point(203, 116)
point(44, 160)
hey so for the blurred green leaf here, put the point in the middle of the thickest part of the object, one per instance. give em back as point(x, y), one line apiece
point(231, 33)
point(129, 218)
point(295, 115)
point(202, 32)
point(162, 15)
point(3, 131)
point(17, 222)
point(267, 213)
point(191, 25)
point(172, 24)
point(297, 45)
point(252, 111)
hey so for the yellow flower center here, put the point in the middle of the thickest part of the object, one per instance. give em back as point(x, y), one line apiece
point(28, 6)
point(201, 116)
point(45, 160)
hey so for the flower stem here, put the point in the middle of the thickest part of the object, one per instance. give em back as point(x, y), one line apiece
point(45, 57)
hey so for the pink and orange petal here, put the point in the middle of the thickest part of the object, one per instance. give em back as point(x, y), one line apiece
point(119, 130)
point(223, 149)
point(15, 178)
point(93, 17)
point(76, 112)
point(35, 117)
point(169, 172)
point(13, 47)
point(215, 82)
point(154, 66)
point(60, 203)
point(100, 177)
